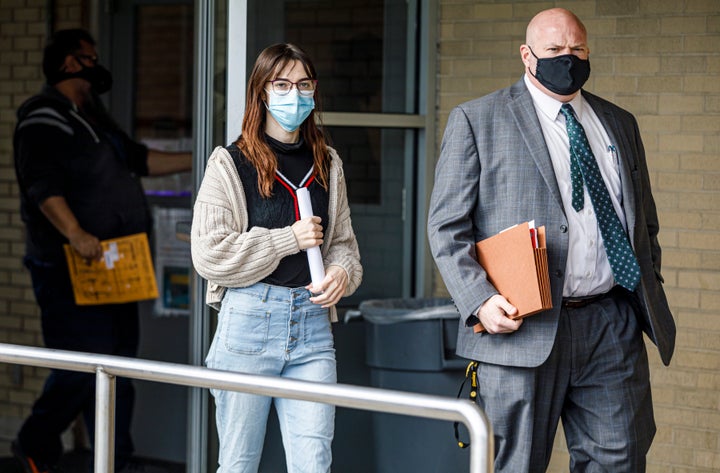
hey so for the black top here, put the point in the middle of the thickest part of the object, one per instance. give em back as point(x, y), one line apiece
point(84, 157)
point(295, 170)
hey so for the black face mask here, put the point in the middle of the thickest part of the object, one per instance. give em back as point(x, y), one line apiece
point(100, 78)
point(564, 74)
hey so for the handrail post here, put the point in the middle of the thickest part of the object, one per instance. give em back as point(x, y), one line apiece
point(482, 441)
point(481, 449)
point(104, 422)
point(108, 367)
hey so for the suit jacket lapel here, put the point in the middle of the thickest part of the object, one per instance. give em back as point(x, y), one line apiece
point(627, 163)
point(523, 111)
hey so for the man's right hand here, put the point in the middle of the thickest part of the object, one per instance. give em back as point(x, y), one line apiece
point(86, 245)
point(494, 315)
point(58, 212)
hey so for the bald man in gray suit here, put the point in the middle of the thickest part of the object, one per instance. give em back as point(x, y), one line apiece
point(505, 159)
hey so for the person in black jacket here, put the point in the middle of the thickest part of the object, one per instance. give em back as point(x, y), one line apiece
point(79, 180)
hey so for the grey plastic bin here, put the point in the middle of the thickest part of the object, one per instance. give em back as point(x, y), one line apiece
point(410, 346)
point(411, 334)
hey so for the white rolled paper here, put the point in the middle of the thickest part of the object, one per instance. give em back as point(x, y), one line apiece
point(317, 271)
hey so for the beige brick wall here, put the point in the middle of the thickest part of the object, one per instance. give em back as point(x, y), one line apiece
point(22, 37)
point(660, 59)
point(22, 30)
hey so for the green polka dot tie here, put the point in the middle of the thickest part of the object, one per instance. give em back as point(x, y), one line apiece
point(583, 167)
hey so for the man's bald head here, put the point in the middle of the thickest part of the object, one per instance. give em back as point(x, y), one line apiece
point(557, 33)
point(551, 19)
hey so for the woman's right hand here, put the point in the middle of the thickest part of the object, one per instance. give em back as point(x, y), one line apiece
point(308, 232)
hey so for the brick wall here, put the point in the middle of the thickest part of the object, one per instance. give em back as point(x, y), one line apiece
point(23, 26)
point(660, 59)
point(163, 91)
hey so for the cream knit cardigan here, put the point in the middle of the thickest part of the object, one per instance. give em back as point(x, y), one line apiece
point(227, 254)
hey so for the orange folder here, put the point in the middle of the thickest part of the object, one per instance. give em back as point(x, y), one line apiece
point(124, 274)
point(515, 261)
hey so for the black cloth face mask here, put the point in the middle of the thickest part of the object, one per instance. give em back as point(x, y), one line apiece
point(563, 75)
point(100, 79)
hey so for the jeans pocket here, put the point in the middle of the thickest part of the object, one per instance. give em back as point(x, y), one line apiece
point(246, 330)
point(318, 332)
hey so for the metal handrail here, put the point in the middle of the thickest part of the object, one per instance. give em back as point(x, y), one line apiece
point(107, 367)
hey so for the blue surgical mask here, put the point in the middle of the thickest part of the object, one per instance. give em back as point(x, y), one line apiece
point(290, 110)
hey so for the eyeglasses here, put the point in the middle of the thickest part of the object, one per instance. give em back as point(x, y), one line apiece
point(304, 87)
point(87, 57)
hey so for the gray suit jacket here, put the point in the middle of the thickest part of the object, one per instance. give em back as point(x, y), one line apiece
point(495, 171)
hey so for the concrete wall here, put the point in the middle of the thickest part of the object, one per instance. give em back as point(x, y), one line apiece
point(660, 59)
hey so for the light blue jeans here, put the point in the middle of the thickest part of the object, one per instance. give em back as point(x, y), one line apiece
point(277, 331)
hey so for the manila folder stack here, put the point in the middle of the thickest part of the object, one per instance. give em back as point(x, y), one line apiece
point(517, 268)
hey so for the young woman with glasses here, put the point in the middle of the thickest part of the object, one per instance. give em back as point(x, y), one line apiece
point(248, 241)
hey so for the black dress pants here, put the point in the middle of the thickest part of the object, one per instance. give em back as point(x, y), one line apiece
point(111, 329)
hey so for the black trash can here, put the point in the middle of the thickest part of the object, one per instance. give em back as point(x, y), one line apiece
point(410, 346)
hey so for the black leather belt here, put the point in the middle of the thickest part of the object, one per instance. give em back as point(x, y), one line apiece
point(577, 302)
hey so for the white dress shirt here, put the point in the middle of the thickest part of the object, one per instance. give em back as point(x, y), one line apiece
point(587, 271)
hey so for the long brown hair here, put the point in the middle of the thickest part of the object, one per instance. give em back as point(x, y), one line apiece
point(271, 61)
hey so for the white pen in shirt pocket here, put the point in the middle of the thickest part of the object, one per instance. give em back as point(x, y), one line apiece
point(613, 156)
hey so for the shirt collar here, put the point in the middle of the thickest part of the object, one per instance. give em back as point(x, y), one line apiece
point(550, 107)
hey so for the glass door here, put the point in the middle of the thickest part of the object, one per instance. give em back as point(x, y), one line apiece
point(180, 71)
point(366, 55)
point(372, 61)
point(149, 47)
